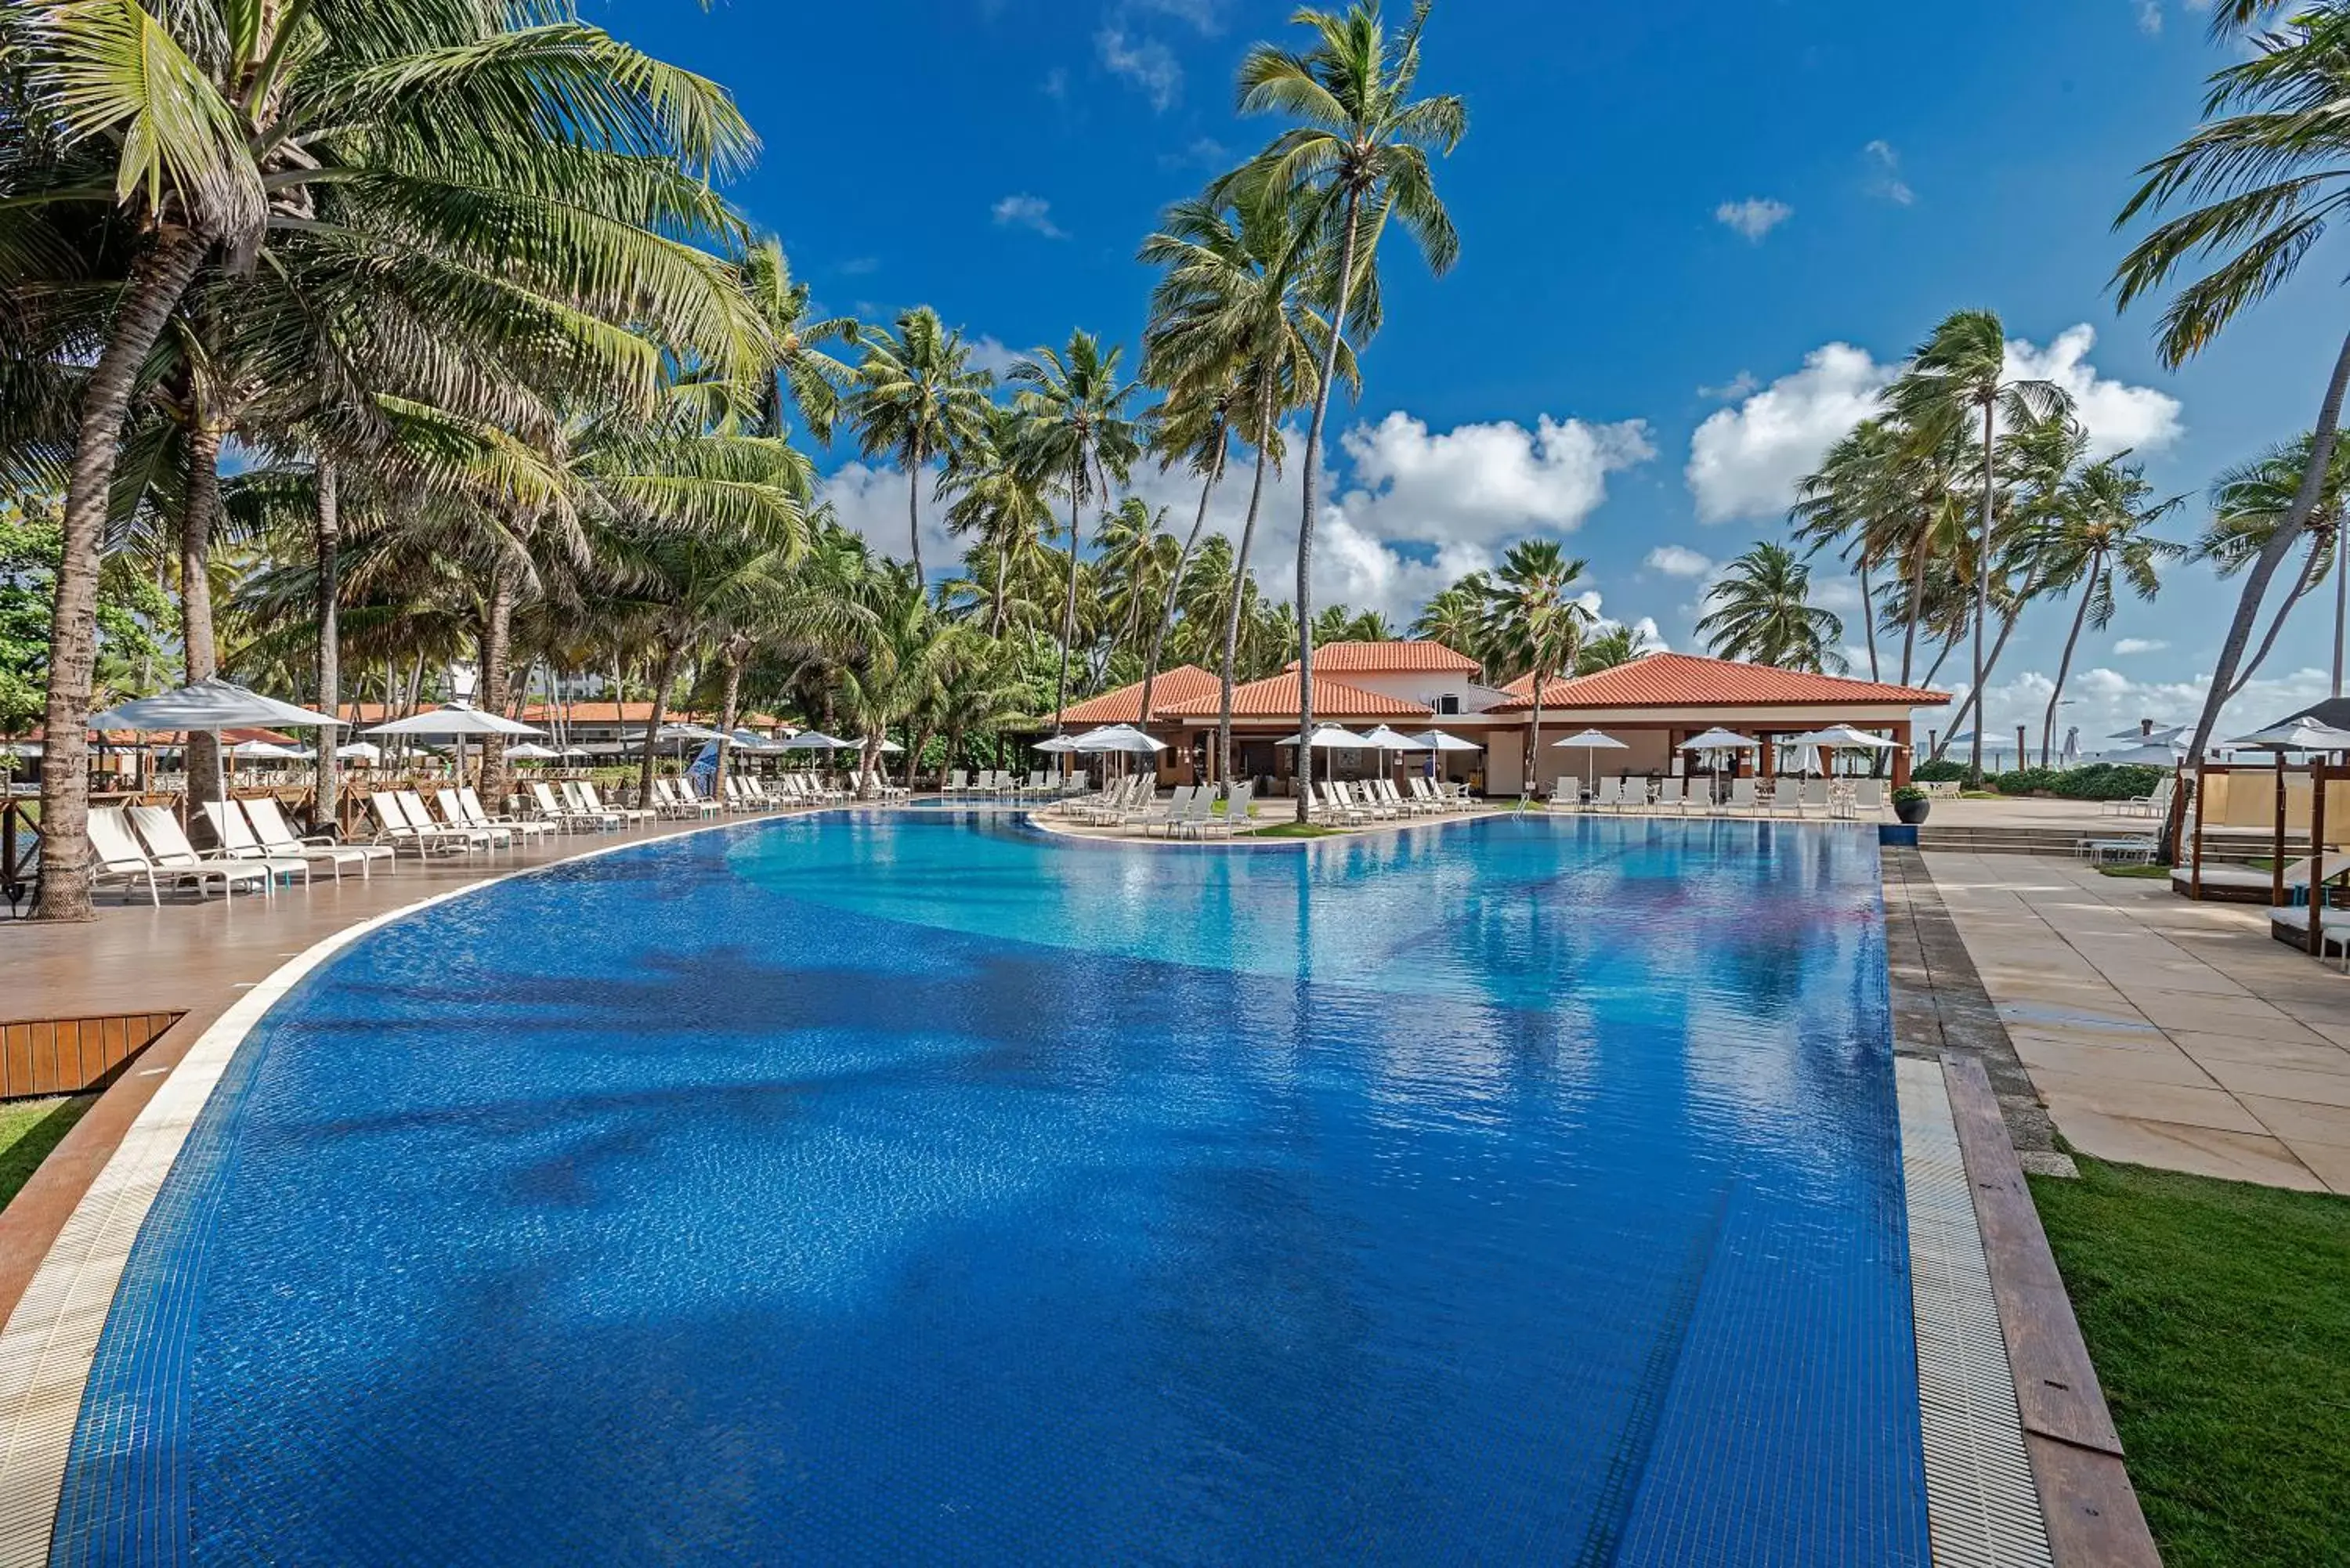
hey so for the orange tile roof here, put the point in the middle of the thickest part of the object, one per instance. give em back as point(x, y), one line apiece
point(1275, 697)
point(1687, 680)
point(1416, 657)
point(1124, 706)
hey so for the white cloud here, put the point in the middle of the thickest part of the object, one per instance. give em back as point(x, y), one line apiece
point(869, 500)
point(1149, 64)
point(990, 354)
point(1678, 561)
point(1056, 84)
point(1841, 595)
point(1885, 173)
point(1025, 212)
point(2117, 415)
point(2130, 644)
point(2103, 701)
point(1485, 483)
point(1754, 217)
point(859, 267)
point(1730, 391)
point(1745, 462)
point(1203, 152)
point(2149, 16)
point(1207, 15)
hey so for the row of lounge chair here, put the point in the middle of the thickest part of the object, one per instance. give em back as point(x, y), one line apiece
point(1190, 811)
point(1375, 800)
point(1786, 797)
point(996, 784)
point(144, 844)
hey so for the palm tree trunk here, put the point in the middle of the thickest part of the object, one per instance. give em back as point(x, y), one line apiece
point(329, 533)
point(2064, 664)
point(1917, 604)
point(669, 656)
point(914, 509)
point(1069, 610)
point(155, 285)
point(1533, 743)
point(1233, 614)
point(198, 645)
point(729, 714)
point(914, 753)
point(1982, 595)
point(1972, 703)
point(2340, 603)
point(1868, 615)
point(1305, 517)
point(1174, 583)
point(497, 657)
point(2272, 553)
point(2301, 585)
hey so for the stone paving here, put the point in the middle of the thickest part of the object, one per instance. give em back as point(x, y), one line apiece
point(2158, 1031)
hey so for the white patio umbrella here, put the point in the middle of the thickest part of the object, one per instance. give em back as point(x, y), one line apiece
point(210, 706)
point(2160, 756)
point(1440, 740)
point(1720, 740)
point(1387, 739)
point(360, 750)
point(816, 741)
point(1123, 738)
point(1056, 744)
point(531, 750)
point(1593, 742)
point(264, 751)
point(2297, 735)
point(1328, 736)
point(887, 747)
point(1840, 737)
point(456, 721)
point(2161, 734)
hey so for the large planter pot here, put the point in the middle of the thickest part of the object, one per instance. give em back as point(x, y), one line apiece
point(1912, 812)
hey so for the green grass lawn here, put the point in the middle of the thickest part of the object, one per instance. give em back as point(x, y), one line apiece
point(28, 1131)
point(2157, 872)
point(1290, 830)
point(2219, 1317)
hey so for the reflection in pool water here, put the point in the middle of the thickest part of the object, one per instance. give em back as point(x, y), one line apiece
point(911, 1186)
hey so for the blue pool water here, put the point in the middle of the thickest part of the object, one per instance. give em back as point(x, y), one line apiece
point(913, 1187)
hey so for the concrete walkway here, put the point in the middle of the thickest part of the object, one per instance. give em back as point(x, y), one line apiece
point(2158, 1031)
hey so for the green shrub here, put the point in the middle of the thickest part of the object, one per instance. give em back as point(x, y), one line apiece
point(2110, 781)
point(2023, 781)
point(1945, 771)
point(1907, 792)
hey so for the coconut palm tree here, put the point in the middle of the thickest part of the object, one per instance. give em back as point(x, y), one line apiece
point(1074, 426)
point(1194, 428)
point(2261, 178)
point(999, 500)
point(1455, 616)
point(917, 401)
point(2249, 502)
point(1956, 379)
point(438, 135)
point(2104, 530)
point(1357, 157)
point(1611, 647)
point(1534, 623)
point(804, 376)
point(1762, 611)
point(1237, 301)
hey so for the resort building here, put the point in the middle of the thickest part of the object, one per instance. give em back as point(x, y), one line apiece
point(1651, 705)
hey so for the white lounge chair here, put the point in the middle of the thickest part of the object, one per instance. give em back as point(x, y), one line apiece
point(452, 816)
point(474, 816)
point(1742, 795)
point(1814, 799)
point(169, 849)
point(237, 842)
point(272, 832)
point(1869, 798)
point(626, 812)
point(1234, 817)
point(115, 856)
point(394, 829)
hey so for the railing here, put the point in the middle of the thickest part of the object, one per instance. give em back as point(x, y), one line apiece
point(20, 848)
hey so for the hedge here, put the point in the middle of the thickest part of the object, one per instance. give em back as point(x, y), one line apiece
point(2097, 781)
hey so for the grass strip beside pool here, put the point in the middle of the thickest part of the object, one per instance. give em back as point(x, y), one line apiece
point(2218, 1316)
point(28, 1131)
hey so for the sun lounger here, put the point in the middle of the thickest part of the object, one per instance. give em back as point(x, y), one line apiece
point(1168, 814)
point(1332, 803)
point(115, 856)
point(2249, 883)
point(1234, 817)
point(1869, 798)
point(1741, 797)
point(452, 816)
point(168, 850)
point(470, 801)
point(561, 811)
point(2155, 805)
point(237, 842)
point(272, 832)
point(394, 828)
point(626, 812)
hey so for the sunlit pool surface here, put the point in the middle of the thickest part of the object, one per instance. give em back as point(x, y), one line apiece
point(914, 1187)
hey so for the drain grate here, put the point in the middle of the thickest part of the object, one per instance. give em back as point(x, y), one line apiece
point(1979, 1497)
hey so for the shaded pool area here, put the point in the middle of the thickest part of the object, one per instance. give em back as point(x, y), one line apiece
point(914, 1185)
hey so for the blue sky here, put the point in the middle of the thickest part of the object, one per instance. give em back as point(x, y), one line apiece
point(1693, 239)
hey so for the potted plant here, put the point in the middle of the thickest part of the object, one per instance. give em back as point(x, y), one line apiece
point(1911, 804)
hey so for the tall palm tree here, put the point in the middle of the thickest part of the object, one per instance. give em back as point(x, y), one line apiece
point(2263, 175)
point(436, 134)
point(1534, 623)
point(1238, 300)
point(1075, 425)
point(804, 376)
point(2249, 502)
point(916, 399)
point(1195, 428)
point(999, 499)
point(1358, 157)
point(1455, 616)
point(1762, 611)
point(1614, 645)
point(1958, 378)
point(2105, 530)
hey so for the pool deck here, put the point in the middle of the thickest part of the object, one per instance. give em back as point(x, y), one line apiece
point(2159, 1031)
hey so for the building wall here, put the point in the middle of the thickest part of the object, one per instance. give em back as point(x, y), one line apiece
point(1428, 687)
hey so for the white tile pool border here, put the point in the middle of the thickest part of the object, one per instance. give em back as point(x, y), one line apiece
point(50, 1342)
point(1982, 1504)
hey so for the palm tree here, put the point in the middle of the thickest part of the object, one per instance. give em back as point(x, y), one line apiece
point(215, 128)
point(916, 399)
point(1358, 158)
point(1617, 645)
point(2104, 530)
point(1000, 500)
point(1074, 426)
point(803, 372)
point(1236, 302)
point(1761, 612)
point(2249, 502)
point(1957, 377)
point(1455, 616)
point(1534, 623)
point(1195, 427)
point(2264, 173)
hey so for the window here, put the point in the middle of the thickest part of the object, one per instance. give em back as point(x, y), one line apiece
point(1448, 703)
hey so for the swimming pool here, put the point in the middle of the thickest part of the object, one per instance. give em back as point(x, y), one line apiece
point(912, 1186)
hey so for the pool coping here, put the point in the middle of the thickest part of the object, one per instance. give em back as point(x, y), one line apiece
point(1941, 1013)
